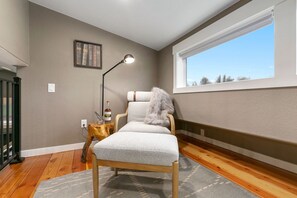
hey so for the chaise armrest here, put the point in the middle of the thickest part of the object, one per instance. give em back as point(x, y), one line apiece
point(119, 116)
point(117, 119)
point(172, 123)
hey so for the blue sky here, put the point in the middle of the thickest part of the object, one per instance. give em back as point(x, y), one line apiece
point(251, 55)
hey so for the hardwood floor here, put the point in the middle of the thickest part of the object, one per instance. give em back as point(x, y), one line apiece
point(261, 179)
point(21, 180)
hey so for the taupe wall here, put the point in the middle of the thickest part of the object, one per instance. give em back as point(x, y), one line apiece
point(267, 112)
point(14, 24)
point(50, 119)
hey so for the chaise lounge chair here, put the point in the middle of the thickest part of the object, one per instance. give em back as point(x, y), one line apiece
point(138, 146)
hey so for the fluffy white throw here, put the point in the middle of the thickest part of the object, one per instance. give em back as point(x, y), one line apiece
point(160, 105)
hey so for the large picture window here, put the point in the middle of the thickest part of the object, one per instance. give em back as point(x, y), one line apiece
point(247, 57)
point(253, 47)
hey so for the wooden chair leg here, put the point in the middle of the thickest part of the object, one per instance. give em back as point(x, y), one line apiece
point(175, 179)
point(115, 172)
point(95, 176)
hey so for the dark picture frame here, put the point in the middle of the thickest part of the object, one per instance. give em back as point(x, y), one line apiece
point(87, 55)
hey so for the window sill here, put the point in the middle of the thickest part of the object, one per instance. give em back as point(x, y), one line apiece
point(267, 83)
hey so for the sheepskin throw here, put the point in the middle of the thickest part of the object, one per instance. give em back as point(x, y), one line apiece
point(160, 105)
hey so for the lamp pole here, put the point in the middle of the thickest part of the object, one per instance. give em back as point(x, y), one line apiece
point(102, 102)
point(128, 58)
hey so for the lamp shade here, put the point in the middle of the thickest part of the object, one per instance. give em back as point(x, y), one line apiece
point(129, 59)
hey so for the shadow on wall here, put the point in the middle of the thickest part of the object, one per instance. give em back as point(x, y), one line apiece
point(177, 111)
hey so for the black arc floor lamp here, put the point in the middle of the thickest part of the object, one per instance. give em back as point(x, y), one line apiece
point(128, 59)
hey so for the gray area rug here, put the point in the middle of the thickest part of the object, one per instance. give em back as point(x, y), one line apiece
point(194, 181)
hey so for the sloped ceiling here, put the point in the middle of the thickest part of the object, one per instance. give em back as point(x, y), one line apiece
point(153, 23)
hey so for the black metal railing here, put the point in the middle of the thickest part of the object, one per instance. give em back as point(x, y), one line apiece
point(10, 139)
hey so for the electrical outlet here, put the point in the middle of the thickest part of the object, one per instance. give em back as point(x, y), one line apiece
point(83, 123)
point(202, 132)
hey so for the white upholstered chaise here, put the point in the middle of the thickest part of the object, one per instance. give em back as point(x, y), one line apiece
point(137, 145)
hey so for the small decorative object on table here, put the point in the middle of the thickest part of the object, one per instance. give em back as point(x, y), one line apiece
point(100, 119)
point(107, 113)
point(99, 131)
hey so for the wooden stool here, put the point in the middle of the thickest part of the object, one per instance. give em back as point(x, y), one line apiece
point(99, 131)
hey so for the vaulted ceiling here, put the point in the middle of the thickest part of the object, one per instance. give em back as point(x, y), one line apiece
point(153, 23)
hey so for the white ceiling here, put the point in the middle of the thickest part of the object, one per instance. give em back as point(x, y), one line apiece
point(153, 23)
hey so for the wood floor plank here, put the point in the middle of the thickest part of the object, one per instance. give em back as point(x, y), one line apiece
point(284, 184)
point(215, 162)
point(16, 177)
point(52, 167)
point(77, 164)
point(276, 177)
point(187, 151)
point(274, 173)
point(29, 183)
point(6, 172)
point(65, 166)
point(259, 173)
point(266, 173)
point(89, 164)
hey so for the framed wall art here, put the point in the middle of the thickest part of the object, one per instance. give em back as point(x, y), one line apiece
point(88, 55)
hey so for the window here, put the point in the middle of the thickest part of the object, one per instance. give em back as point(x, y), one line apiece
point(248, 57)
point(253, 47)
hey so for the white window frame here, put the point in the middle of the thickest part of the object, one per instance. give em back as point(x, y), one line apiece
point(253, 15)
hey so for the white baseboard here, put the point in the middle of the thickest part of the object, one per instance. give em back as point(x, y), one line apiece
point(258, 156)
point(52, 149)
